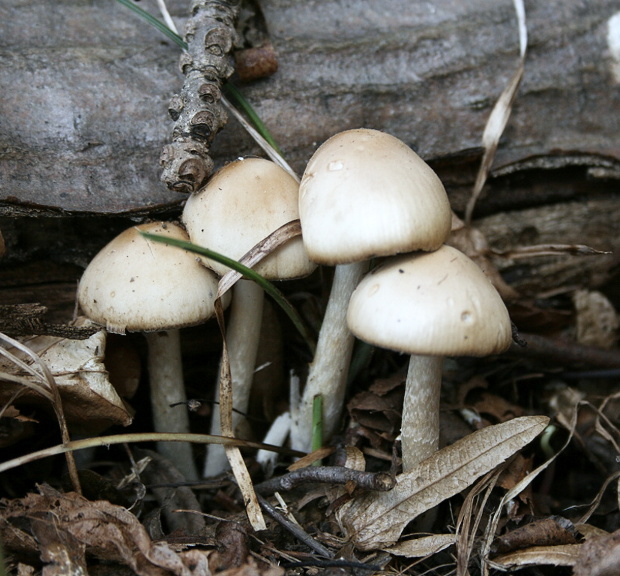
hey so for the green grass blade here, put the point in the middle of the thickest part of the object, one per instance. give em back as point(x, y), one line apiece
point(154, 22)
point(234, 93)
point(229, 88)
point(267, 286)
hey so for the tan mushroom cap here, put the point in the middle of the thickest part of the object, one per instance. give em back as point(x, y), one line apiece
point(136, 284)
point(437, 303)
point(365, 193)
point(244, 202)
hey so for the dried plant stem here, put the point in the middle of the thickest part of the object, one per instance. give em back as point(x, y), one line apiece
point(499, 115)
point(294, 529)
point(48, 383)
point(140, 437)
point(242, 340)
point(376, 481)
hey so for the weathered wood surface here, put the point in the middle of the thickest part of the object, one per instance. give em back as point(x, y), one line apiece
point(85, 88)
point(86, 85)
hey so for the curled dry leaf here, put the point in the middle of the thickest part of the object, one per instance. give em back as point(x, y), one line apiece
point(563, 555)
point(422, 547)
point(473, 243)
point(597, 319)
point(377, 520)
point(599, 556)
point(105, 531)
point(89, 400)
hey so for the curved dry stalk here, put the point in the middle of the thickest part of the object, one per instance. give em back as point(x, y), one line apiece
point(48, 382)
point(499, 115)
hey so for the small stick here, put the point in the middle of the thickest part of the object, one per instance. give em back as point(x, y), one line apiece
point(375, 481)
point(566, 353)
point(294, 529)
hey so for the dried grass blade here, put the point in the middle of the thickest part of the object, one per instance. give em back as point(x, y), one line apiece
point(261, 250)
point(551, 250)
point(499, 115)
point(54, 397)
point(237, 464)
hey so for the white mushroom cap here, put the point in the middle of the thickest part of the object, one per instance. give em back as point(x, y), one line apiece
point(242, 204)
point(136, 284)
point(365, 193)
point(437, 303)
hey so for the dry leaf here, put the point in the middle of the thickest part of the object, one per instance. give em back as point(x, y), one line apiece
point(377, 520)
point(599, 556)
point(105, 531)
point(422, 547)
point(90, 402)
point(597, 320)
point(550, 531)
point(565, 555)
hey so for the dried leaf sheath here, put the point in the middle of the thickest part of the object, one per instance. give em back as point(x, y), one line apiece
point(197, 110)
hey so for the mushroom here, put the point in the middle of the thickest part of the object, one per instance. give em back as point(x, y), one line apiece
point(364, 193)
point(137, 285)
point(428, 305)
point(242, 204)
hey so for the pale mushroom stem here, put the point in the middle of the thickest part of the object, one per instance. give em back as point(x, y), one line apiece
point(327, 375)
point(166, 379)
point(242, 339)
point(420, 427)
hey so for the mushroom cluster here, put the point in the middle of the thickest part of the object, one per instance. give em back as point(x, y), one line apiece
point(363, 194)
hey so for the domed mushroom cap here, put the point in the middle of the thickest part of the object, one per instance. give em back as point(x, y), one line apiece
point(437, 303)
point(136, 284)
point(243, 203)
point(365, 193)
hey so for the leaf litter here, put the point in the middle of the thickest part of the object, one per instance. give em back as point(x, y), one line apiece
point(67, 533)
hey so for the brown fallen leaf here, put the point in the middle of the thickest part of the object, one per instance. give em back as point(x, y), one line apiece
point(563, 555)
point(422, 547)
point(599, 556)
point(549, 531)
point(99, 529)
point(377, 520)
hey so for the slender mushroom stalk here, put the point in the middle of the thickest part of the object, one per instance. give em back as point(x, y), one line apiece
point(420, 436)
point(328, 372)
point(364, 193)
point(166, 378)
point(242, 204)
point(137, 285)
point(429, 305)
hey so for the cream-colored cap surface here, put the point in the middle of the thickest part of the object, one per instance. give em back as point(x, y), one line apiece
point(136, 284)
point(365, 193)
point(244, 202)
point(436, 303)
